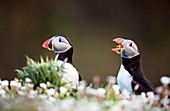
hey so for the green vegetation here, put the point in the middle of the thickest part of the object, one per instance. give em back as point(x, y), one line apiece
point(41, 72)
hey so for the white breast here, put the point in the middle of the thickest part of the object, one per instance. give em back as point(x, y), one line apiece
point(69, 72)
point(124, 80)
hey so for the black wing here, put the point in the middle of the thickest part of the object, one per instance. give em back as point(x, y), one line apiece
point(144, 85)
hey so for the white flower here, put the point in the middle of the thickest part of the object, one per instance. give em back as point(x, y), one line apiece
point(33, 92)
point(52, 99)
point(4, 83)
point(91, 91)
point(150, 95)
point(29, 85)
point(43, 85)
point(80, 88)
point(101, 92)
point(165, 80)
point(23, 88)
point(116, 89)
point(2, 92)
point(136, 102)
point(82, 83)
point(50, 92)
point(143, 95)
point(157, 98)
point(21, 93)
point(73, 87)
point(15, 84)
point(108, 103)
point(56, 94)
point(124, 102)
point(165, 101)
point(28, 80)
point(42, 96)
point(111, 79)
point(48, 84)
point(19, 85)
point(63, 90)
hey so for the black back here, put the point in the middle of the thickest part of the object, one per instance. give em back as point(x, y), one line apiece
point(134, 67)
point(68, 54)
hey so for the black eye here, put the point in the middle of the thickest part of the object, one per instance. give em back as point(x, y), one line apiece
point(130, 44)
point(59, 39)
point(50, 44)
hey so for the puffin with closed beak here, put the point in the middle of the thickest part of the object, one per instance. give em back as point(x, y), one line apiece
point(62, 46)
point(131, 77)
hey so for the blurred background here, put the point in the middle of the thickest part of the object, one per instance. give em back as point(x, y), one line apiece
point(90, 25)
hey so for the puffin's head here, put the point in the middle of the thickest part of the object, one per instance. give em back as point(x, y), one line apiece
point(126, 48)
point(58, 44)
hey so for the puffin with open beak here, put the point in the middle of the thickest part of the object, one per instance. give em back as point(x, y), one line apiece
point(62, 46)
point(131, 77)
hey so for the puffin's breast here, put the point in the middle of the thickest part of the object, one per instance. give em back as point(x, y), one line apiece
point(124, 80)
point(69, 72)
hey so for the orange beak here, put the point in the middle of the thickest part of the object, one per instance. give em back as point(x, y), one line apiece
point(45, 44)
point(119, 48)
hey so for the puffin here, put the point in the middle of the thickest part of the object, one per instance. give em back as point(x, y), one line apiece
point(131, 78)
point(62, 47)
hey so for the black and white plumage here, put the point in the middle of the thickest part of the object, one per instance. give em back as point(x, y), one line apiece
point(131, 77)
point(62, 46)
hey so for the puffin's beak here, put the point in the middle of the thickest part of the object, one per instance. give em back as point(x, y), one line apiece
point(119, 48)
point(45, 44)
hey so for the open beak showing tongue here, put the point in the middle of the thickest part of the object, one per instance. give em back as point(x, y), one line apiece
point(119, 48)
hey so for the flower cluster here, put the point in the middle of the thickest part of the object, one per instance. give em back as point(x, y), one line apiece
point(83, 97)
point(14, 88)
point(40, 87)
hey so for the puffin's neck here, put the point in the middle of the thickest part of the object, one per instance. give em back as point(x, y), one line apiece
point(133, 65)
point(68, 54)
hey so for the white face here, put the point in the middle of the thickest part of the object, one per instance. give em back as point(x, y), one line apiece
point(130, 49)
point(60, 44)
